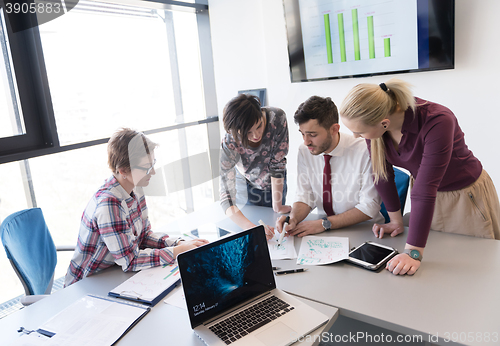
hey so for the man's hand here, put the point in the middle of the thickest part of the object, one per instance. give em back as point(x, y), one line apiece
point(184, 246)
point(307, 228)
point(281, 221)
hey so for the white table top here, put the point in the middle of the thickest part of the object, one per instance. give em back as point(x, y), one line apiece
point(164, 324)
point(454, 291)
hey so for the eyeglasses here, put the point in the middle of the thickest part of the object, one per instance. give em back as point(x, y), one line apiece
point(148, 170)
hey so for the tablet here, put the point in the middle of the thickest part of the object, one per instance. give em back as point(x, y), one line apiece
point(371, 256)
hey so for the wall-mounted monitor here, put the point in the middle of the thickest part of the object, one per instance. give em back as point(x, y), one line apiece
point(260, 93)
point(330, 39)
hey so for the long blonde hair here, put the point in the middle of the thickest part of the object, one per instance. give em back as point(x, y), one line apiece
point(372, 103)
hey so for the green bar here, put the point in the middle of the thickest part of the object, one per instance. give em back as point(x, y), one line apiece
point(328, 37)
point(371, 39)
point(355, 33)
point(387, 46)
point(340, 18)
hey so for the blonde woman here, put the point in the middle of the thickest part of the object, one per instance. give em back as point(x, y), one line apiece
point(451, 191)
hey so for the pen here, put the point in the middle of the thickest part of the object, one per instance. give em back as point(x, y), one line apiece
point(262, 223)
point(189, 236)
point(291, 271)
point(283, 231)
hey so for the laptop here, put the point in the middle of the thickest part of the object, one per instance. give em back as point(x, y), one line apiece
point(231, 294)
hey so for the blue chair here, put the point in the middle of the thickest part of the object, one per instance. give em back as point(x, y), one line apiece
point(31, 251)
point(402, 181)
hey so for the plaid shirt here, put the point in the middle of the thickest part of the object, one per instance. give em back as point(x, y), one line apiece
point(115, 229)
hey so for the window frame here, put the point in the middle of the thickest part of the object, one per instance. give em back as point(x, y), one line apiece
point(41, 136)
point(34, 95)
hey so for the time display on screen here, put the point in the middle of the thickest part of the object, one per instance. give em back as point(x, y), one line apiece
point(199, 307)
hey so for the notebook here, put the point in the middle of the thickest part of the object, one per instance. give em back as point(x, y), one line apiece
point(231, 294)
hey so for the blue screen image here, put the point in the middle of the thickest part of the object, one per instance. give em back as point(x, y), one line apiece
point(225, 273)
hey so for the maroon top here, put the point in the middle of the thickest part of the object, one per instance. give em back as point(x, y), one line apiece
point(433, 149)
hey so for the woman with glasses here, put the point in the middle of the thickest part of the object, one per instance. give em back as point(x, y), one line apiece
point(115, 228)
point(254, 150)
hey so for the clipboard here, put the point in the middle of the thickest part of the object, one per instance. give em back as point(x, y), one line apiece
point(92, 320)
point(149, 286)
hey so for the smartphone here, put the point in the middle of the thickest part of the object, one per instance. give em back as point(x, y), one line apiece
point(371, 256)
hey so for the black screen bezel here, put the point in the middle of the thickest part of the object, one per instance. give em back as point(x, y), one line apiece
point(367, 247)
point(184, 259)
point(443, 22)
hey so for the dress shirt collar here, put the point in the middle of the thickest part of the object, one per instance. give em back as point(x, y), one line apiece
point(339, 149)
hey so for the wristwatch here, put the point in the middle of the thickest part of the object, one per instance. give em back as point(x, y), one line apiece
point(326, 224)
point(413, 253)
point(177, 241)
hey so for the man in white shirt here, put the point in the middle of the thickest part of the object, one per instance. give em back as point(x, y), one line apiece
point(352, 197)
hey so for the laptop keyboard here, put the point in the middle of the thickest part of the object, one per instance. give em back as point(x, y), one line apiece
point(237, 326)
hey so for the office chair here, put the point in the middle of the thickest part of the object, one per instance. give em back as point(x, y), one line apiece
point(402, 181)
point(31, 251)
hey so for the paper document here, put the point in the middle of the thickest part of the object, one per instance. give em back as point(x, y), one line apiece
point(176, 298)
point(316, 250)
point(285, 251)
point(89, 321)
point(148, 284)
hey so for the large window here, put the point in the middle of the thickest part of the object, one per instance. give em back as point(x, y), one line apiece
point(11, 118)
point(100, 67)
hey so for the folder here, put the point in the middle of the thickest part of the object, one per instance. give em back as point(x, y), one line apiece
point(149, 286)
point(91, 320)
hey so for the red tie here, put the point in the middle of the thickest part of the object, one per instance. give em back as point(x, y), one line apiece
point(327, 187)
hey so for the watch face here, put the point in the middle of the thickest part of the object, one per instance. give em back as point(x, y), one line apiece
point(326, 224)
point(414, 254)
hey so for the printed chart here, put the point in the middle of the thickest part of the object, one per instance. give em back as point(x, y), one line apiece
point(149, 283)
point(316, 250)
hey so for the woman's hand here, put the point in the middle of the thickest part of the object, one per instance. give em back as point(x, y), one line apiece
point(282, 209)
point(269, 232)
point(184, 246)
point(393, 228)
point(402, 264)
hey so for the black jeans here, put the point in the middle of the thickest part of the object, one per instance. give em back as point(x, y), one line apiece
point(263, 198)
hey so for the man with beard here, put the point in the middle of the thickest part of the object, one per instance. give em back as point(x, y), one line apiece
point(334, 174)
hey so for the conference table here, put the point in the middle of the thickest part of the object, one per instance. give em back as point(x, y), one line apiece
point(450, 300)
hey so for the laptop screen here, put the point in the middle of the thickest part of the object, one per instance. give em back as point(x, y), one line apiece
point(222, 274)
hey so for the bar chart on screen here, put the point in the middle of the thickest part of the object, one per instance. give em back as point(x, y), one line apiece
point(361, 36)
